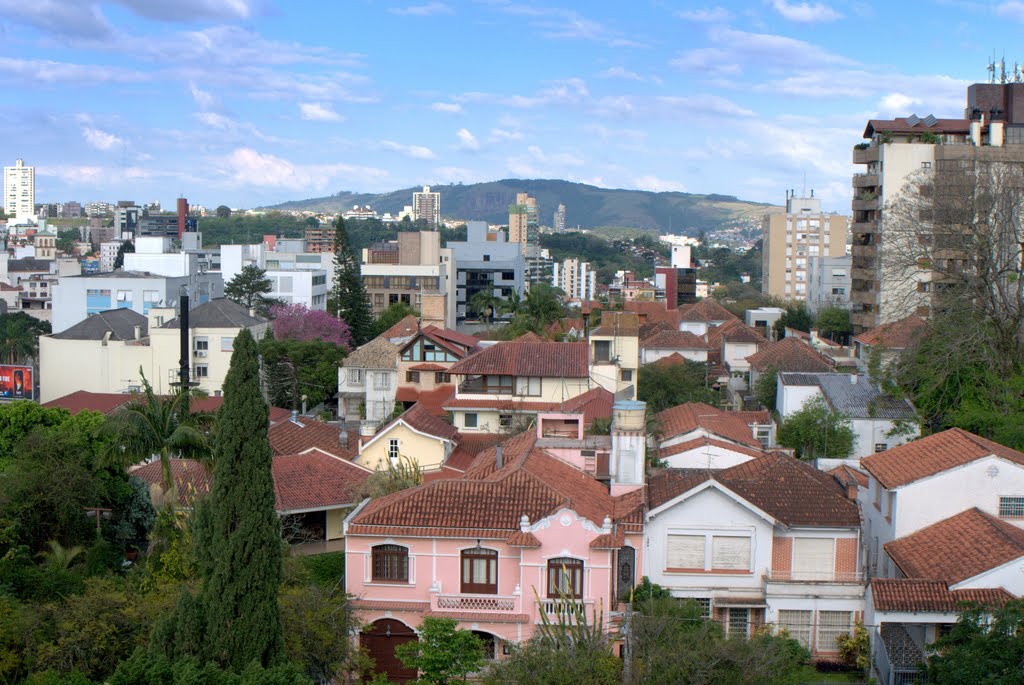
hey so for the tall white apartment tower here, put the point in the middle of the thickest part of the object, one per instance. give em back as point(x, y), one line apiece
point(20, 192)
point(576, 278)
point(427, 205)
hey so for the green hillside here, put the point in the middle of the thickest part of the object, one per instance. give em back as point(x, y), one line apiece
point(586, 206)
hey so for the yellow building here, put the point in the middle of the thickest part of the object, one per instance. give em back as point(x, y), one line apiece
point(417, 435)
point(615, 353)
point(792, 238)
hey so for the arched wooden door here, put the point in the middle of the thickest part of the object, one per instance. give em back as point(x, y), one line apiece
point(380, 642)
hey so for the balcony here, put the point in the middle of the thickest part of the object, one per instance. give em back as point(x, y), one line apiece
point(864, 271)
point(865, 180)
point(866, 252)
point(866, 155)
point(556, 609)
point(475, 604)
point(866, 204)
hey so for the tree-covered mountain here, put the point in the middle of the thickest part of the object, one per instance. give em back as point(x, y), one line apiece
point(586, 206)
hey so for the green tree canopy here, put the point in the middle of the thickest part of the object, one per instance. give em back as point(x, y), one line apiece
point(392, 315)
point(126, 247)
point(984, 646)
point(834, 323)
point(662, 387)
point(249, 288)
point(815, 431)
point(796, 316)
point(766, 388)
point(223, 211)
point(296, 368)
point(485, 304)
point(444, 653)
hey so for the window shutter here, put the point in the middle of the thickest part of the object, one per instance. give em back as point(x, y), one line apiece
point(685, 551)
point(814, 558)
point(731, 553)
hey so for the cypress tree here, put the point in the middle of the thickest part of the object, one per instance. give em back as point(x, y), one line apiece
point(350, 300)
point(244, 568)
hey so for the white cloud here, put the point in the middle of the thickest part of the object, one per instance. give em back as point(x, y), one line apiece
point(447, 107)
point(454, 174)
point(1011, 10)
point(314, 111)
point(467, 141)
point(247, 167)
point(706, 61)
point(413, 151)
point(767, 49)
point(805, 12)
point(624, 74)
point(709, 15)
point(61, 17)
point(429, 9)
point(570, 91)
point(214, 120)
point(560, 158)
point(47, 71)
point(658, 185)
point(204, 99)
point(501, 134)
point(101, 140)
point(161, 10)
point(563, 24)
point(898, 102)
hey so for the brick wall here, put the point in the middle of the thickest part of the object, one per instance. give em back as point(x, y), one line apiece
point(782, 556)
point(846, 556)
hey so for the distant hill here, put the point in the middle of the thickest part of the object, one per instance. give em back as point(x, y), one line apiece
point(587, 206)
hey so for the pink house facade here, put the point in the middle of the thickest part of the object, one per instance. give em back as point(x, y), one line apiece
point(532, 520)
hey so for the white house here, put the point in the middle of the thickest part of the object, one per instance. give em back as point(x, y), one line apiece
point(772, 540)
point(368, 383)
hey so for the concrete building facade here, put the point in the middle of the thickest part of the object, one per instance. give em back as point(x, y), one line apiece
point(485, 261)
point(426, 205)
point(403, 270)
point(20, 192)
point(791, 239)
point(828, 282)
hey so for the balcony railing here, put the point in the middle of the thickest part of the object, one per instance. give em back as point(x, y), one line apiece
point(813, 577)
point(474, 603)
point(556, 609)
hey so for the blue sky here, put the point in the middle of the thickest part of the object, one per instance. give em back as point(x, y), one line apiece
point(252, 102)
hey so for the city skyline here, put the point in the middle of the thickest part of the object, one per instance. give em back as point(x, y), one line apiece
point(250, 103)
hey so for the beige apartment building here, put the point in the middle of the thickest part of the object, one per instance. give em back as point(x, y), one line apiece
point(426, 205)
point(406, 269)
point(523, 219)
point(792, 238)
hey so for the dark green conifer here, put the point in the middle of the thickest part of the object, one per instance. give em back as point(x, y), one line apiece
point(349, 298)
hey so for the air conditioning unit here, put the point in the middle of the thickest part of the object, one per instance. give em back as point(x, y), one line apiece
point(200, 353)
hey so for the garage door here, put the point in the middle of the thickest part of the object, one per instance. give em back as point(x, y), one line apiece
point(380, 642)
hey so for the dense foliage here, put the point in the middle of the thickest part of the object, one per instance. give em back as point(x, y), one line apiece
point(796, 317)
point(298, 322)
point(815, 431)
point(249, 288)
point(605, 255)
point(983, 647)
point(834, 323)
point(19, 337)
point(444, 653)
point(665, 386)
point(766, 388)
point(297, 369)
point(723, 265)
point(349, 301)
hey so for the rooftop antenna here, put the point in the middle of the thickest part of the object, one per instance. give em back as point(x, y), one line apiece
point(991, 68)
point(1002, 69)
point(1017, 76)
point(803, 191)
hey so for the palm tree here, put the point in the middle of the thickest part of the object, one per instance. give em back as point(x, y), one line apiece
point(153, 426)
point(543, 305)
point(19, 336)
point(485, 303)
point(512, 304)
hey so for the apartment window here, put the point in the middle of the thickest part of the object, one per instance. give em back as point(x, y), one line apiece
point(227, 344)
point(797, 624)
point(878, 496)
point(602, 350)
point(926, 165)
point(705, 605)
point(832, 624)
point(202, 371)
point(881, 447)
point(505, 420)
point(565, 577)
point(487, 257)
point(469, 420)
point(480, 571)
point(320, 280)
point(390, 563)
point(124, 299)
point(1011, 507)
point(738, 622)
point(393, 452)
point(838, 291)
point(381, 380)
point(685, 552)
point(442, 377)
point(529, 386)
point(201, 344)
point(626, 375)
point(508, 275)
point(412, 376)
point(355, 376)
point(814, 558)
point(729, 553)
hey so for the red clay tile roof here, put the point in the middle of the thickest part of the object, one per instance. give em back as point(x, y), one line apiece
point(957, 548)
point(933, 454)
point(697, 443)
point(312, 480)
point(468, 446)
point(707, 310)
point(622, 324)
point(608, 541)
point(434, 400)
point(530, 337)
point(82, 400)
point(521, 539)
point(675, 340)
point(790, 355)
point(688, 417)
point(734, 331)
point(287, 437)
point(593, 404)
point(489, 502)
point(759, 416)
point(904, 594)
point(445, 335)
point(648, 329)
point(791, 491)
point(420, 418)
point(406, 327)
point(671, 360)
point(897, 335)
point(847, 475)
point(428, 366)
point(545, 359)
point(316, 480)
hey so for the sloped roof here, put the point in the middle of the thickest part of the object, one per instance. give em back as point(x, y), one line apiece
point(452, 340)
point(376, 354)
point(670, 360)
point(847, 475)
point(489, 502)
point(904, 594)
point(791, 491)
point(674, 340)
point(218, 313)
point(119, 323)
point(29, 264)
point(789, 355)
point(734, 331)
point(595, 403)
point(530, 337)
point(933, 454)
point(433, 400)
point(648, 329)
point(191, 479)
point(622, 324)
point(544, 359)
point(83, 400)
point(408, 326)
point(861, 399)
point(901, 125)
point(289, 437)
point(706, 310)
point(421, 419)
point(688, 417)
point(698, 443)
point(897, 335)
point(957, 548)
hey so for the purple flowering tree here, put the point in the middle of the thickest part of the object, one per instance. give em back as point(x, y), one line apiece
point(298, 322)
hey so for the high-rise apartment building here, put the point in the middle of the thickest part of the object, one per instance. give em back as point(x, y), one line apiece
point(577, 279)
point(898, 150)
point(559, 222)
point(20, 192)
point(791, 239)
point(427, 206)
point(523, 219)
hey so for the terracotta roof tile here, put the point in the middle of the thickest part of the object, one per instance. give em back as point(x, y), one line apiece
point(897, 335)
point(530, 337)
point(622, 324)
point(434, 400)
point(192, 479)
point(792, 491)
point(608, 541)
point(288, 437)
point(445, 335)
point(933, 454)
point(428, 366)
point(890, 594)
point(82, 400)
point(404, 328)
point(650, 328)
point(671, 360)
point(376, 354)
point(847, 475)
point(957, 548)
point(420, 418)
point(688, 417)
point(789, 355)
point(707, 310)
point(675, 340)
point(521, 539)
point(697, 443)
point(544, 359)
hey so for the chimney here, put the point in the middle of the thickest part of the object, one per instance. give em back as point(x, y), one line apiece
point(343, 435)
point(499, 460)
point(138, 332)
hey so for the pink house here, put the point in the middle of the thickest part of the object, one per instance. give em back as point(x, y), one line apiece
point(532, 518)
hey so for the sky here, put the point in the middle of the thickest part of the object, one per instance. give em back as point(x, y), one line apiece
point(252, 102)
